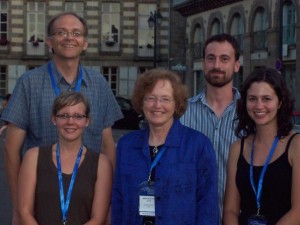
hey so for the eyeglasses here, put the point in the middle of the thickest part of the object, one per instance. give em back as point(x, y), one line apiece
point(163, 100)
point(64, 34)
point(66, 116)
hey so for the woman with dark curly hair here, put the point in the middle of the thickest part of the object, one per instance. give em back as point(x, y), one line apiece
point(166, 173)
point(263, 170)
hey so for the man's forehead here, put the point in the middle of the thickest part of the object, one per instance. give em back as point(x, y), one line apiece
point(219, 48)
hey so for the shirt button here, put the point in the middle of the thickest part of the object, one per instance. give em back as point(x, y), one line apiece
point(70, 90)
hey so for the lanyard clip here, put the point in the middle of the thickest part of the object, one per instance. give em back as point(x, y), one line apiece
point(258, 211)
point(149, 178)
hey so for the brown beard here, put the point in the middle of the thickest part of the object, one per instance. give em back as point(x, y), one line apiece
point(221, 81)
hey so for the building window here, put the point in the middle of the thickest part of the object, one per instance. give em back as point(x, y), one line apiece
point(260, 25)
point(289, 24)
point(127, 78)
point(237, 29)
point(110, 24)
point(198, 42)
point(145, 34)
point(215, 27)
point(3, 80)
point(110, 74)
point(36, 28)
point(3, 25)
point(77, 7)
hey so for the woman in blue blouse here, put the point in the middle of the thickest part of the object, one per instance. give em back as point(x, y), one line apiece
point(165, 174)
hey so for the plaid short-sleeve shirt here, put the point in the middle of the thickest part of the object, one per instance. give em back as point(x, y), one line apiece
point(29, 107)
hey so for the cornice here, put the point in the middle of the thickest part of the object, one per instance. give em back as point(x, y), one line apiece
point(193, 7)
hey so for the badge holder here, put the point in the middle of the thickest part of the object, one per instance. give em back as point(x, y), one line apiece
point(147, 191)
point(257, 220)
point(146, 199)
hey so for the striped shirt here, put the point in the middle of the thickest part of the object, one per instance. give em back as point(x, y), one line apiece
point(200, 116)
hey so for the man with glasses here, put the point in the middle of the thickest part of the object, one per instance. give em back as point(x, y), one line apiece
point(29, 109)
point(212, 112)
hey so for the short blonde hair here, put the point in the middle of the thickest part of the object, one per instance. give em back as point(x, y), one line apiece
point(70, 99)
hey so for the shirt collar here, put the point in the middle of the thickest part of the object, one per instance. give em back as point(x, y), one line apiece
point(60, 79)
point(173, 138)
point(201, 96)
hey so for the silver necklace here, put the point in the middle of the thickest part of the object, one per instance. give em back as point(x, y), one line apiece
point(155, 151)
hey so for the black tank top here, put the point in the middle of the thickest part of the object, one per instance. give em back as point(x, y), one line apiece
point(47, 200)
point(276, 192)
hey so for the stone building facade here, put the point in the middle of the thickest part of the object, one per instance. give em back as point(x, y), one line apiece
point(121, 43)
point(267, 31)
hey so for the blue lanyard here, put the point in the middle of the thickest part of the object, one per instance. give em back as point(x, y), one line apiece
point(155, 161)
point(64, 205)
point(54, 85)
point(262, 174)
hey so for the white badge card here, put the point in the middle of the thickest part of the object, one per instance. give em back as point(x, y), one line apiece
point(146, 199)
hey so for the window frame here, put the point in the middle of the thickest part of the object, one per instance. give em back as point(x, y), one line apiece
point(111, 77)
point(110, 20)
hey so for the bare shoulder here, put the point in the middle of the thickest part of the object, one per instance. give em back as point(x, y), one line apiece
point(294, 148)
point(30, 159)
point(296, 138)
point(235, 147)
point(104, 162)
point(31, 153)
point(236, 144)
point(295, 142)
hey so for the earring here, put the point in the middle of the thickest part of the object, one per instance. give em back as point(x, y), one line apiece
point(54, 124)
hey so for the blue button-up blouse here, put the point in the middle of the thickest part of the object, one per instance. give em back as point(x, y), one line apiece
point(185, 179)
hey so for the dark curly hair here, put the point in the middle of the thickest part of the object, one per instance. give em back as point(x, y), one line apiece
point(146, 82)
point(246, 125)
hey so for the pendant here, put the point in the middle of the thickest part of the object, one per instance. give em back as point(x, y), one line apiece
point(64, 222)
point(155, 151)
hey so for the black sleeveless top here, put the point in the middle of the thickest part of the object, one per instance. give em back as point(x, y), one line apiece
point(47, 201)
point(276, 191)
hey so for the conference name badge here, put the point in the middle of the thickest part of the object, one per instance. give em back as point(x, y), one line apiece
point(146, 199)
